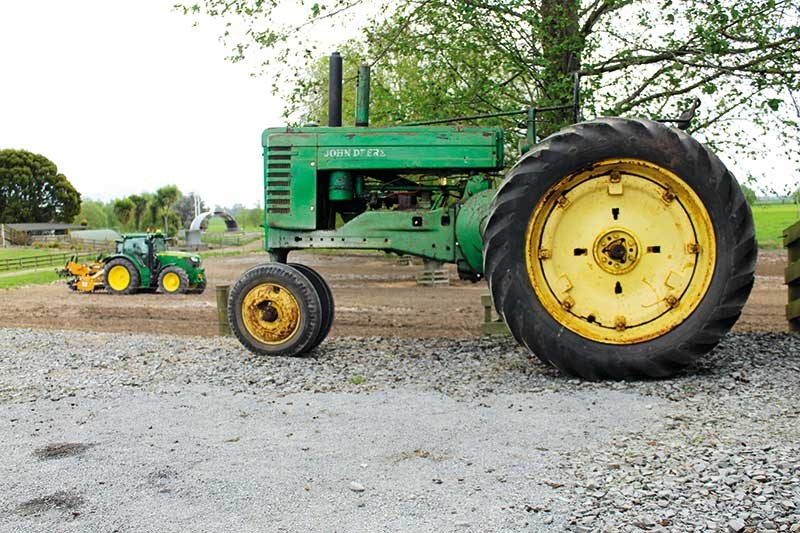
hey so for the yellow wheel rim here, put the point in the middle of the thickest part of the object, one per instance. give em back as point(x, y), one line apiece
point(621, 253)
point(171, 282)
point(270, 313)
point(118, 278)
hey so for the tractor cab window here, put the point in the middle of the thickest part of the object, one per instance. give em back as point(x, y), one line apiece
point(135, 247)
point(159, 245)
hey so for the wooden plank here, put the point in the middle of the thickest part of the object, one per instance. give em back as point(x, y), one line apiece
point(223, 293)
point(791, 234)
point(495, 328)
point(793, 310)
point(793, 273)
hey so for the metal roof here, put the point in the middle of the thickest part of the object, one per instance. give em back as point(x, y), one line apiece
point(43, 226)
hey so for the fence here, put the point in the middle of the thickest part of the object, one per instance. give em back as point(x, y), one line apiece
point(791, 240)
point(91, 245)
point(38, 261)
point(231, 239)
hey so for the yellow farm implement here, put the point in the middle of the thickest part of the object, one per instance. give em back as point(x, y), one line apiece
point(84, 277)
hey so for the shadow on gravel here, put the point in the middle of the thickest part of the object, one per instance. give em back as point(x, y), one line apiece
point(62, 500)
point(59, 450)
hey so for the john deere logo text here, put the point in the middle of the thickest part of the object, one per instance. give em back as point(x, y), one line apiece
point(354, 152)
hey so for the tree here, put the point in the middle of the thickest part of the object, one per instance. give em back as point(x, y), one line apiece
point(161, 207)
point(636, 57)
point(749, 194)
point(250, 218)
point(185, 208)
point(32, 189)
point(139, 209)
point(93, 213)
point(123, 211)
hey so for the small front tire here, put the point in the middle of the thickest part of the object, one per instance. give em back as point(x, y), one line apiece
point(326, 299)
point(173, 280)
point(274, 309)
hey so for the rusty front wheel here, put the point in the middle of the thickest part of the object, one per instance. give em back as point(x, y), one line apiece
point(274, 309)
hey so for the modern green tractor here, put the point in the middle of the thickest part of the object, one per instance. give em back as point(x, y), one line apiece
point(143, 262)
point(614, 248)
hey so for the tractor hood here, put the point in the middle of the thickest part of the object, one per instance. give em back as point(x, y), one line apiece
point(179, 255)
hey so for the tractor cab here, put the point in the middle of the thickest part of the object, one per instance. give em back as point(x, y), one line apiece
point(145, 247)
point(143, 261)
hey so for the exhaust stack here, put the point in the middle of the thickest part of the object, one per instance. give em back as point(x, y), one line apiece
point(335, 90)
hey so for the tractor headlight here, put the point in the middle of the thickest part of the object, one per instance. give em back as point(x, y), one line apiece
point(195, 261)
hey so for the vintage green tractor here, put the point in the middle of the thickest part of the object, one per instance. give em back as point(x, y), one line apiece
point(615, 248)
point(142, 261)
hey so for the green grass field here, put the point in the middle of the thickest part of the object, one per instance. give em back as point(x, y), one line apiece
point(31, 278)
point(13, 253)
point(217, 225)
point(771, 220)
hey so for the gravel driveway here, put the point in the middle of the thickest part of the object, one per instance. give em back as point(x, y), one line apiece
point(116, 432)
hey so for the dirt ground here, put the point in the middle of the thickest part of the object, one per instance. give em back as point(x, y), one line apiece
point(374, 294)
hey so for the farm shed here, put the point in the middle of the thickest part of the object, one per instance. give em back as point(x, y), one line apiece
point(28, 233)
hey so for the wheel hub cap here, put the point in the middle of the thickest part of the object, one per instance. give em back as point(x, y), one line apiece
point(271, 313)
point(118, 278)
point(172, 282)
point(616, 251)
point(621, 253)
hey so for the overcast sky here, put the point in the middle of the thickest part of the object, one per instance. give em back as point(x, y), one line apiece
point(126, 97)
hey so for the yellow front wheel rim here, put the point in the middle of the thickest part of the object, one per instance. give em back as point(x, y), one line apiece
point(621, 253)
point(171, 282)
point(118, 278)
point(270, 313)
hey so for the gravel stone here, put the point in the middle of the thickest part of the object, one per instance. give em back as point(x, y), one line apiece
point(146, 432)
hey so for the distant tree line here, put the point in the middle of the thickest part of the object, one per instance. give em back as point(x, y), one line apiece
point(167, 209)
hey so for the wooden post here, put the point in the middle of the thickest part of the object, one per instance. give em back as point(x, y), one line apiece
point(223, 291)
point(491, 325)
point(791, 240)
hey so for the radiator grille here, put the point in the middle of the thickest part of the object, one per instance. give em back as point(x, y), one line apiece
point(278, 182)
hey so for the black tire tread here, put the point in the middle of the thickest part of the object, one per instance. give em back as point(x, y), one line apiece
point(326, 299)
point(303, 290)
point(637, 138)
point(184, 286)
point(132, 270)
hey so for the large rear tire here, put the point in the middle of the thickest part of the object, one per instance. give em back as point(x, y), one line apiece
point(121, 276)
point(274, 309)
point(620, 249)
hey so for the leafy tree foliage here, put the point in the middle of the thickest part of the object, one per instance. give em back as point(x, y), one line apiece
point(95, 214)
point(749, 194)
point(123, 211)
point(185, 208)
point(442, 58)
point(139, 209)
point(32, 189)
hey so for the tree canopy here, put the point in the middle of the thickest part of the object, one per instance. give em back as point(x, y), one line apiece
point(32, 189)
point(442, 58)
